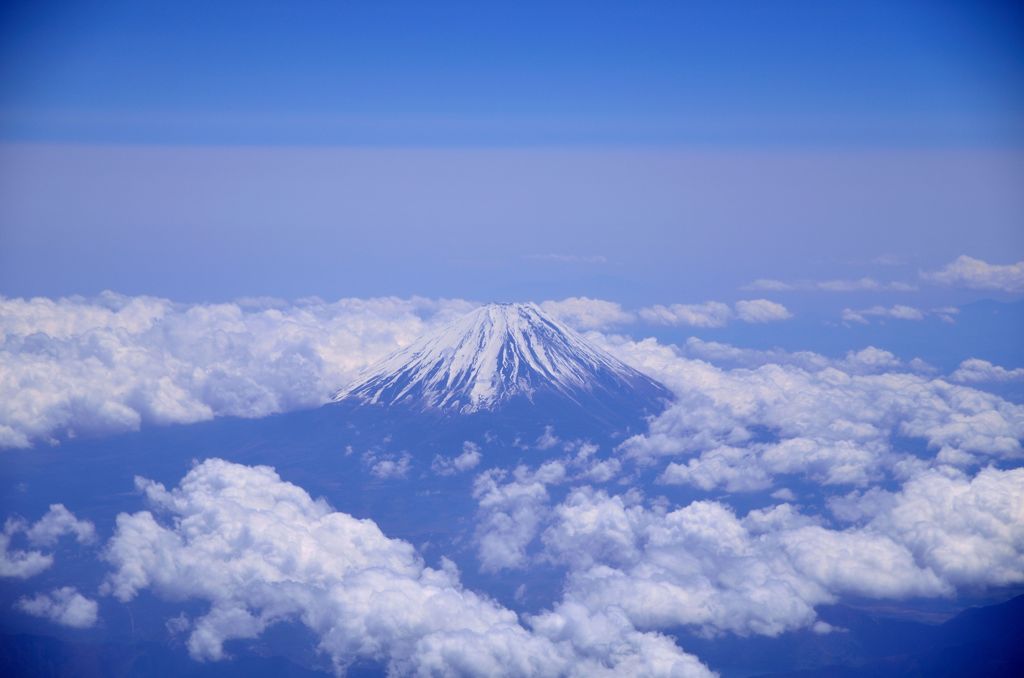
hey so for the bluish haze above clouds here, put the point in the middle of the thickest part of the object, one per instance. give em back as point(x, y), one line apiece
point(655, 153)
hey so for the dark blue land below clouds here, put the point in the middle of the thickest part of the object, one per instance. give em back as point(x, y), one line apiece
point(980, 641)
point(94, 479)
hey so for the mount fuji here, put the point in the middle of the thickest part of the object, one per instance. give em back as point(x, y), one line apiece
point(507, 358)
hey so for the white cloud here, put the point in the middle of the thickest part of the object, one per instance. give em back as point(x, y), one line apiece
point(510, 513)
point(709, 314)
point(386, 465)
point(64, 606)
point(975, 370)
point(728, 467)
point(862, 285)
point(76, 365)
point(897, 312)
point(837, 285)
point(45, 532)
point(57, 522)
point(548, 439)
point(468, 459)
point(261, 551)
point(584, 313)
point(719, 353)
point(20, 563)
point(761, 311)
point(834, 422)
point(865, 361)
point(715, 313)
point(784, 494)
point(970, 531)
point(965, 271)
point(704, 566)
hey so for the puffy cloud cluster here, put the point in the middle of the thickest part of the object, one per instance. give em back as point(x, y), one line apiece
point(584, 313)
point(705, 567)
point(386, 465)
point(975, 370)
point(832, 421)
point(260, 551)
point(45, 532)
point(510, 513)
point(76, 365)
point(468, 459)
point(965, 271)
point(64, 606)
point(715, 313)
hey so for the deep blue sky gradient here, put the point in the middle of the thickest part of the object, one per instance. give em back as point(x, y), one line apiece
point(514, 73)
point(661, 152)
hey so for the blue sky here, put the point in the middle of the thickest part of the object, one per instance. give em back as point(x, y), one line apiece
point(905, 73)
point(650, 152)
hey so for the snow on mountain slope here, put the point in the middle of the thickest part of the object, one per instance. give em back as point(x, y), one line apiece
point(494, 354)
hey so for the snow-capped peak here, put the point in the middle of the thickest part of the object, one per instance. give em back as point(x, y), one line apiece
point(490, 355)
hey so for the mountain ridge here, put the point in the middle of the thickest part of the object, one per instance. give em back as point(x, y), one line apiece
point(496, 354)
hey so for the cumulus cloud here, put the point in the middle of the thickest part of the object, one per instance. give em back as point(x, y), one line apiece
point(761, 311)
point(584, 313)
point(468, 459)
point(64, 606)
point(715, 313)
point(76, 365)
point(18, 562)
point(703, 566)
point(965, 271)
point(386, 465)
point(57, 522)
point(510, 513)
point(45, 532)
point(260, 550)
point(834, 422)
point(975, 370)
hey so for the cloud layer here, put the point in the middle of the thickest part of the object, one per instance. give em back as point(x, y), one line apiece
point(965, 271)
point(64, 606)
point(831, 422)
point(108, 364)
point(704, 566)
point(260, 550)
point(77, 366)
